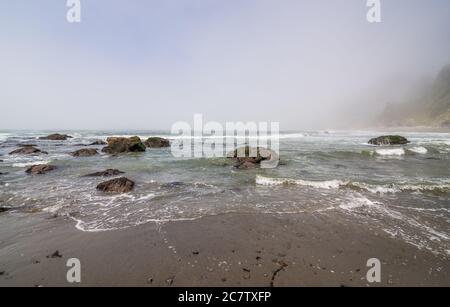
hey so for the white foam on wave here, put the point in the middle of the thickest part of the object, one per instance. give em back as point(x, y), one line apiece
point(330, 184)
point(393, 188)
point(94, 226)
point(402, 187)
point(30, 163)
point(398, 152)
point(403, 226)
point(376, 189)
point(419, 150)
point(357, 202)
point(4, 136)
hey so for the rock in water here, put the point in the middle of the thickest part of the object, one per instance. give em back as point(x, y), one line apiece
point(389, 140)
point(85, 152)
point(155, 142)
point(117, 145)
point(40, 169)
point(26, 145)
point(27, 150)
point(56, 137)
point(98, 143)
point(107, 173)
point(251, 157)
point(118, 185)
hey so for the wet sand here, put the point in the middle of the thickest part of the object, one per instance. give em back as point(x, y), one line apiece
point(227, 250)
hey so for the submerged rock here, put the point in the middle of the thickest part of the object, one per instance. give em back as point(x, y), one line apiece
point(40, 169)
point(98, 143)
point(85, 152)
point(118, 185)
point(107, 173)
point(173, 185)
point(155, 142)
point(117, 145)
point(28, 150)
point(389, 140)
point(251, 157)
point(56, 137)
point(26, 145)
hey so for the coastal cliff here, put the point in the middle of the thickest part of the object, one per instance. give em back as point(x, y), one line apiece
point(431, 109)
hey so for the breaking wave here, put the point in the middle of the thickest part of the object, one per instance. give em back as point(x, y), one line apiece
point(390, 152)
point(392, 188)
point(331, 184)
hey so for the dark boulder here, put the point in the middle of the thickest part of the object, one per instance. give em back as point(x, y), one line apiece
point(118, 145)
point(85, 152)
point(251, 157)
point(155, 142)
point(27, 150)
point(56, 137)
point(118, 185)
point(40, 169)
point(107, 173)
point(4, 209)
point(386, 140)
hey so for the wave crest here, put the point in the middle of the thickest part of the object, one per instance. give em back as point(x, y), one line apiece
point(442, 188)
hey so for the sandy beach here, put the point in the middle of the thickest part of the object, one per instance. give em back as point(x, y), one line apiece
point(226, 250)
point(225, 144)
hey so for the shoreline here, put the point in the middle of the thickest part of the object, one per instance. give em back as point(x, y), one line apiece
point(225, 250)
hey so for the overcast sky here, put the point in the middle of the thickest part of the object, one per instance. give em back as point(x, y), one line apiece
point(142, 64)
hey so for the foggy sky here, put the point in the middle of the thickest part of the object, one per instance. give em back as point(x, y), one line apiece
point(144, 64)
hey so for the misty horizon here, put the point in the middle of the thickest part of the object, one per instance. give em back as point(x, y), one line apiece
point(145, 65)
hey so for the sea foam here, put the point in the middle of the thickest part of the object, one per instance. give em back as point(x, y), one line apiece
point(419, 150)
point(330, 184)
point(391, 152)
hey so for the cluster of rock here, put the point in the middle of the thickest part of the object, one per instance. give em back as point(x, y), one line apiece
point(114, 145)
point(119, 145)
point(387, 140)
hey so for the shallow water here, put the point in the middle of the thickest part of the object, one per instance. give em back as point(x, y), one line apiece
point(404, 191)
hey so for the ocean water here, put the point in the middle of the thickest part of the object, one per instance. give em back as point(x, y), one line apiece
point(403, 191)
